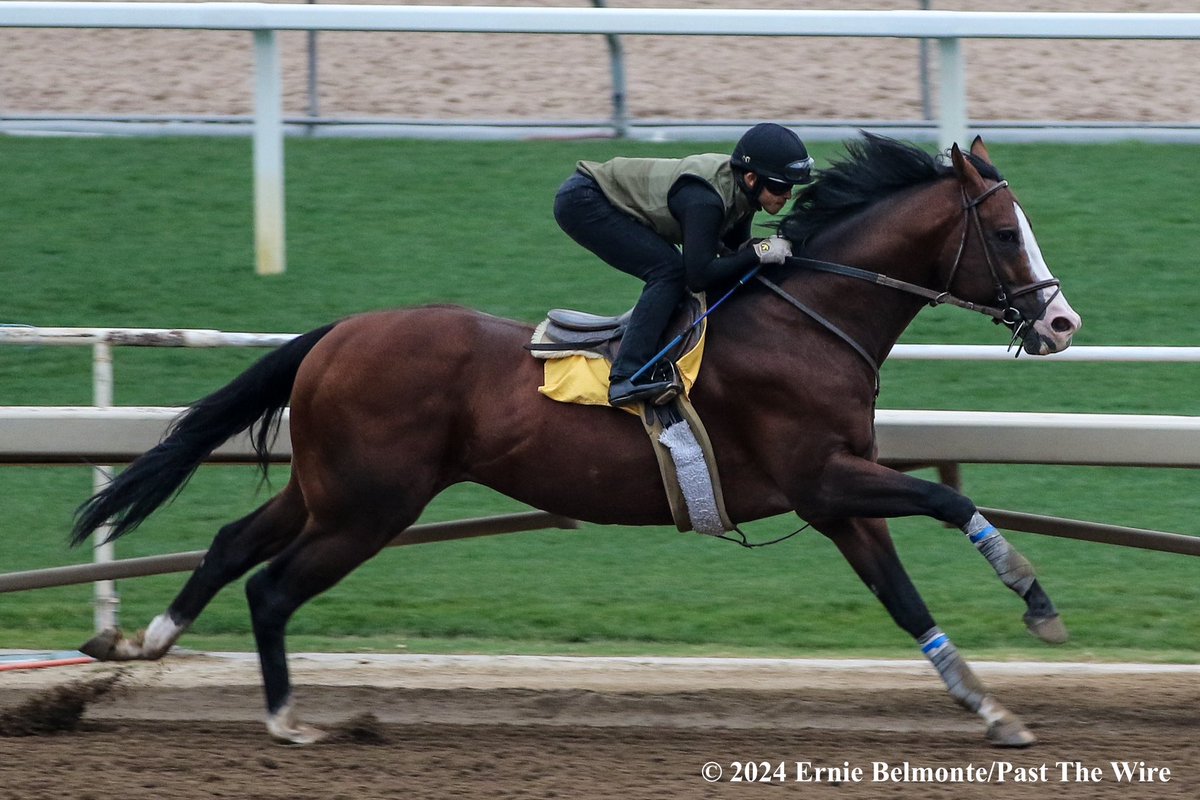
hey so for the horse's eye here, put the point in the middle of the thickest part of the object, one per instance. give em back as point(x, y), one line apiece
point(1008, 236)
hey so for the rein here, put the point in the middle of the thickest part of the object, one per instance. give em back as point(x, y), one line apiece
point(824, 323)
point(1006, 313)
point(935, 298)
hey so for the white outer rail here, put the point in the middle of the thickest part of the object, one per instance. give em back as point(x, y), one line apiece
point(1077, 353)
point(104, 434)
point(648, 21)
point(140, 337)
point(90, 434)
point(948, 27)
point(992, 437)
point(200, 337)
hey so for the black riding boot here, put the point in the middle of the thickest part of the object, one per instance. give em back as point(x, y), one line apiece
point(624, 392)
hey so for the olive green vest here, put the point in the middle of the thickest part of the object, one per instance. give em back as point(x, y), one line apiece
point(639, 187)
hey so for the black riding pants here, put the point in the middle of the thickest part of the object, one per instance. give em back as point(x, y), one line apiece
point(586, 215)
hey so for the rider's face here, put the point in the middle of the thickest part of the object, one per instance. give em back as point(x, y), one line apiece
point(771, 202)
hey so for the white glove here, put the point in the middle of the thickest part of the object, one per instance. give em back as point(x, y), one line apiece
point(772, 250)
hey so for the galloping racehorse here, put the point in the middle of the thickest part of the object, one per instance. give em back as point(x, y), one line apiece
point(788, 393)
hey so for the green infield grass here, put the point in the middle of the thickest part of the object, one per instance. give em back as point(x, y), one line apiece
point(158, 233)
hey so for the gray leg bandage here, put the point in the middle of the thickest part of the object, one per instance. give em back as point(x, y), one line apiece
point(960, 680)
point(1014, 570)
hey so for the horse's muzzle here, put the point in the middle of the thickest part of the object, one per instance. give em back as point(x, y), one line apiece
point(1054, 330)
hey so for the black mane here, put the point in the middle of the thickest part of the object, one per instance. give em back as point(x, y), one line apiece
point(876, 167)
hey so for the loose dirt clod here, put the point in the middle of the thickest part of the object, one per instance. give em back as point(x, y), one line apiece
point(58, 709)
point(363, 728)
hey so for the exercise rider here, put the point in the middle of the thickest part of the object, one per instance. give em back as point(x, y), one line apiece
point(679, 225)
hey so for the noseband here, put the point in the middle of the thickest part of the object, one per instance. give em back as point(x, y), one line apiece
point(1003, 313)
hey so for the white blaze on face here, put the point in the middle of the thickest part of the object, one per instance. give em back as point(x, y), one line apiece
point(1059, 321)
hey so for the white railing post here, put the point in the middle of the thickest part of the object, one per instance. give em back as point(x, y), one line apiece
point(107, 603)
point(952, 108)
point(269, 251)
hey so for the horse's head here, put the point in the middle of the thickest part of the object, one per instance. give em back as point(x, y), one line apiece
point(998, 261)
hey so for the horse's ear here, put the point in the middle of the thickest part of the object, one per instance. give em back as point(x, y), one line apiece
point(962, 168)
point(978, 149)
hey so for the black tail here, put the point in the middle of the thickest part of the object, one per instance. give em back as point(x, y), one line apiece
point(257, 397)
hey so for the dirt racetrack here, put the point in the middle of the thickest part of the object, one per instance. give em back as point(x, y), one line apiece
point(450, 76)
point(590, 728)
point(468, 727)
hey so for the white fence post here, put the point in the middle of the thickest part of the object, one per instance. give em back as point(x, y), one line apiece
point(269, 243)
point(952, 111)
point(107, 602)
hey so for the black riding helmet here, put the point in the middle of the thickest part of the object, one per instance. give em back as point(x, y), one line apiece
point(773, 151)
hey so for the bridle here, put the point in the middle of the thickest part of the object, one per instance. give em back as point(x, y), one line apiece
point(1007, 314)
point(1003, 313)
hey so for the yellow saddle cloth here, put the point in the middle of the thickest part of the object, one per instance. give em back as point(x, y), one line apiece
point(584, 379)
point(575, 370)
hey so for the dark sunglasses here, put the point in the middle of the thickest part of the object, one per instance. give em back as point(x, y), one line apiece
point(777, 188)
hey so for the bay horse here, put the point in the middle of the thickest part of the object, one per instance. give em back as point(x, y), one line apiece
point(390, 408)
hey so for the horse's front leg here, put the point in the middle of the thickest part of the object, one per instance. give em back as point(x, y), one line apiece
point(868, 548)
point(855, 487)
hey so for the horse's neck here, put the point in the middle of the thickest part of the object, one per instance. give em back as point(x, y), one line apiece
point(900, 238)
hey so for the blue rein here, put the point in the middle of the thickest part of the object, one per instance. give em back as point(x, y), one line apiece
point(749, 276)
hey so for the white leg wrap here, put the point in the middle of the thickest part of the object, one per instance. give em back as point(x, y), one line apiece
point(978, 527)
point(991, 711)
point(1013, 568)
point(960, 680)
point(1003, 728)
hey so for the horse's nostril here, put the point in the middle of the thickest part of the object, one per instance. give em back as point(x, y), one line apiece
point(1062, 325)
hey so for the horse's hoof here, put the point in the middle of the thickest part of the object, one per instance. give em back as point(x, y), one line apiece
point(1049, 629)
point(299, 735)
point(1009, 732)
point(113, 645)
point(285, 729)
point(103, 645)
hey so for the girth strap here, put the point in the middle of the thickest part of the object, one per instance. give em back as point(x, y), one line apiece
point(826, 324)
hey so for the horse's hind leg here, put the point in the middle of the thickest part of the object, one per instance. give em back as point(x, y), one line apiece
point(313, 563)
point(868, 547)
point(238, 546)
point(856, 487)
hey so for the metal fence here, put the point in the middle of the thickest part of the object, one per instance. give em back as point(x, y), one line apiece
point(947, 28)
point(87, 435)
point(25, 435)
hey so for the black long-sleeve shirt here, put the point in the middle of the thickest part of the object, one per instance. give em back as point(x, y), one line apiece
point(700, 213)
